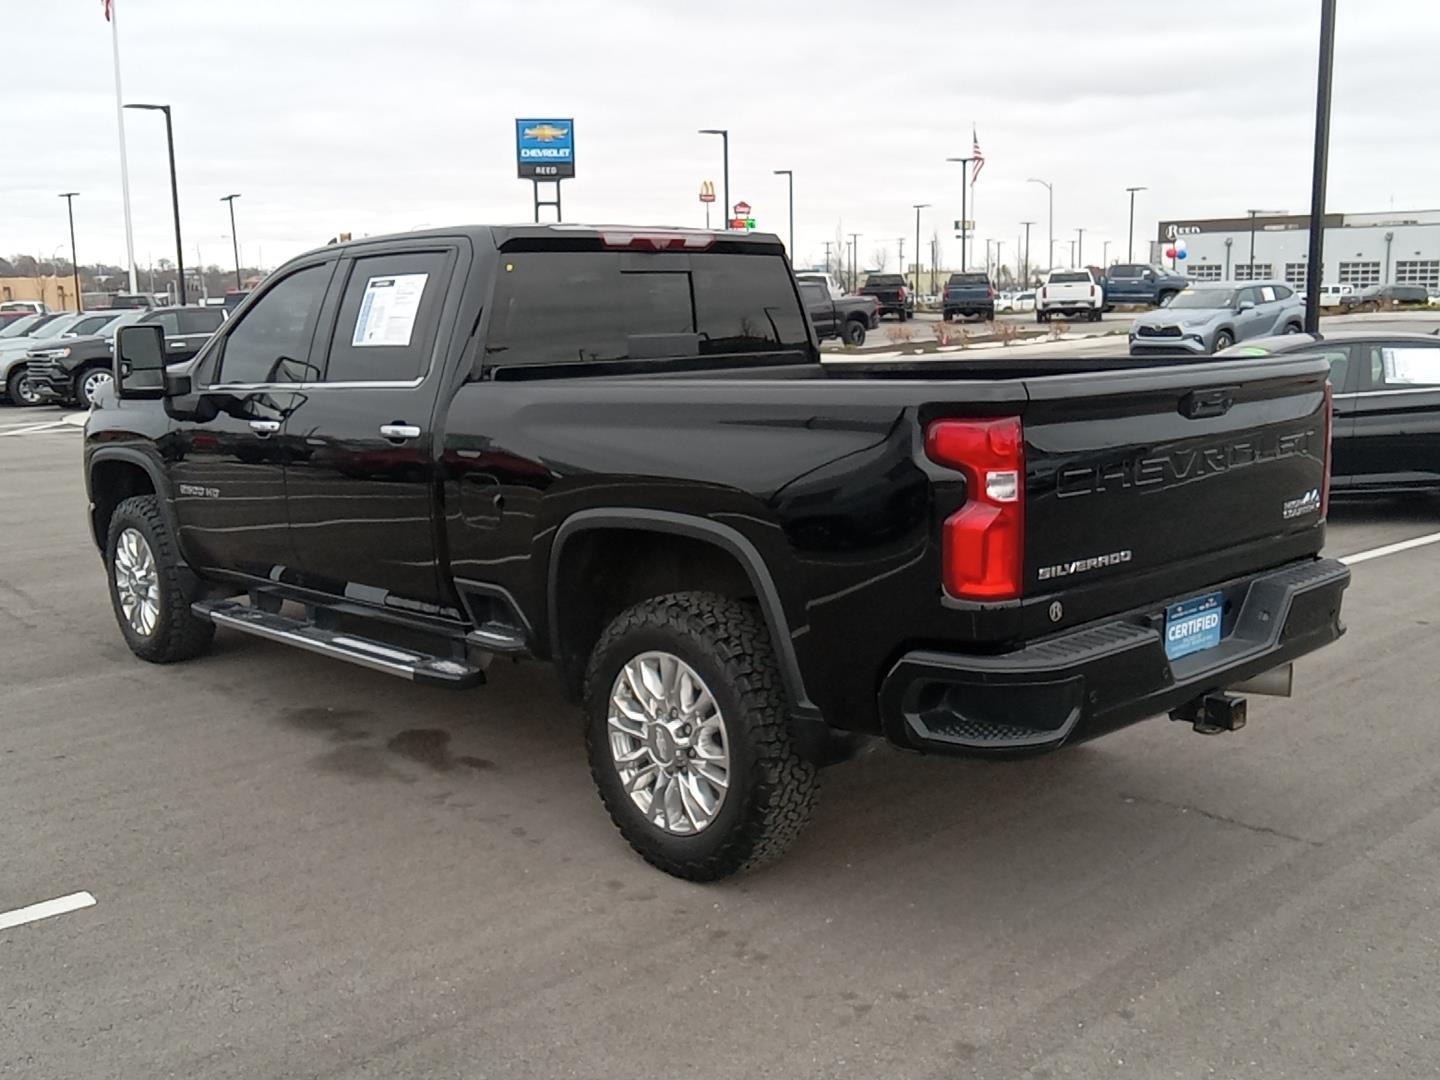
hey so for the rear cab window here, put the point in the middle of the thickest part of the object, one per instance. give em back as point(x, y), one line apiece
point(1071, 278)
point(584, 306)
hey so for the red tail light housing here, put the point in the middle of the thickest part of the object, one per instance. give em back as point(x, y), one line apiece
point(902, 292)
point(983, 543)
point(1329, 432)
point(990, 291)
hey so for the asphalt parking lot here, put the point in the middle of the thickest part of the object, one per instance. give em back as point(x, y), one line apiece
point(302, 868)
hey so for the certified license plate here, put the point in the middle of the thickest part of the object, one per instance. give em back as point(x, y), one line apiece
point(1193, 625)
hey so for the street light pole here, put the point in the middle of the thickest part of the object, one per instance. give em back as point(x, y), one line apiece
point(1027, 225)
point(724, 134)
point(1080, 239)
point(964, 210)
point(1105, 256)
point(1315, 267)
point(855, 260)
point(918, 207)
point(1130, 248)
point(1250, 270)
point(174, 194)
point(234, 238)
point(1049, 187)
point(69, 197)
point(790, 176)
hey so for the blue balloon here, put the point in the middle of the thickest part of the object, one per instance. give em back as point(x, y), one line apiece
point(1182, 254)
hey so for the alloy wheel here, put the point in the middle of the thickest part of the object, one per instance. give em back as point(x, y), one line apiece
point(137, 582)
point(668, 743)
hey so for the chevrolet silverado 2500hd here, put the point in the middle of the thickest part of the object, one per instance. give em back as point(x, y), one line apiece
point(615, 449)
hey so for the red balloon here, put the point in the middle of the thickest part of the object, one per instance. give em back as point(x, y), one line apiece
point(1169, 253)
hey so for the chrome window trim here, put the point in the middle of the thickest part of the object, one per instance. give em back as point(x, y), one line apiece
point(1396, 390)
point(408, 384)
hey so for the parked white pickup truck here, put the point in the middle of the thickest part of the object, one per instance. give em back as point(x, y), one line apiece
point(1069, 292)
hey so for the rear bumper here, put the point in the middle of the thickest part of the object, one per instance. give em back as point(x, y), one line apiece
point(1108, 674)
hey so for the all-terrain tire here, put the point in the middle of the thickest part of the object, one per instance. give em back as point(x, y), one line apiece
point(771, 787)
point(177, 634)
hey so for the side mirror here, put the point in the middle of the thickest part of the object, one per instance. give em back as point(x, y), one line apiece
point(139, 361)
point(1246, 305)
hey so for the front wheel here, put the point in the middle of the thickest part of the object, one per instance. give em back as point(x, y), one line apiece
point(150, 588)
point(89, 382)
point(19, 390)
point(1223, 340)
point(853, 333)
point(688, 735)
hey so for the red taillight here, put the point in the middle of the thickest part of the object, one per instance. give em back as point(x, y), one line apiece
point(1329, 430)
point(902, 292)
point(1043, 293)
point(990, 292)
point(983, 541)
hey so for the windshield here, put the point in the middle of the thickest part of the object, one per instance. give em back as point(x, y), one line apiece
point(91, 324)
point(1207, 299)
point(20, 327)
point(884, 280)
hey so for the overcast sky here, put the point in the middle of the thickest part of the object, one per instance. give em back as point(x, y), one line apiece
point(372, 116)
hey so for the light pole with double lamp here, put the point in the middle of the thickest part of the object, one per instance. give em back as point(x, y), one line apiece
point(174, 194)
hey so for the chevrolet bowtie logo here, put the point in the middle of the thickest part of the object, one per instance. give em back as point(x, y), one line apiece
point(546, 132)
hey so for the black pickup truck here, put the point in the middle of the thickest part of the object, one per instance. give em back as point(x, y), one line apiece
point(847, 318)
point(71, 372)
point(893, 294)
point(617, 450)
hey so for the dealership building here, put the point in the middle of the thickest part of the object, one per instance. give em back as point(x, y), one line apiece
point(1394, 247)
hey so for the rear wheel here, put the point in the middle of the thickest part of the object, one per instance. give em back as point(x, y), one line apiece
point(689, 739)
point(1095, 315)
point(1223, 340)
point(853, 332)
point(19, 390)
point(1041, 317)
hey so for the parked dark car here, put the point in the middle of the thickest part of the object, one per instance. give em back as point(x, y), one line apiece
point(1143, 284)
point(1374, 297)
point(71, 372)
point(1387, 405)
point(893, 294)
point(968, 294)
point(616, 449)
point(847, 318)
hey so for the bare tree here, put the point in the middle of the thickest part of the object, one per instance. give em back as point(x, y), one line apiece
point(841, 269)
point(880, 258)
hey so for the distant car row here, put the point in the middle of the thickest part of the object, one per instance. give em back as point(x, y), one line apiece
point(65, 357)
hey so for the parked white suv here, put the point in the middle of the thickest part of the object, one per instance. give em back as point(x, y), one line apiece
point(1069, 292)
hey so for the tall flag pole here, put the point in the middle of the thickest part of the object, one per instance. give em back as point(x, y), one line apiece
point(109, 6)
point(977, 162)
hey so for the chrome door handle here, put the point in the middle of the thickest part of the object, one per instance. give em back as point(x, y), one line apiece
point(400, 431)
point(265, 427)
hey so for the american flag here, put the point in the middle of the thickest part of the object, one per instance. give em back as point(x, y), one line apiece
point(977, 156)
point(106, 5)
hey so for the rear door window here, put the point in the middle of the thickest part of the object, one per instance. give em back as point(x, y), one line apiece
point(200, 320)
point(1402, 367)
point(386, 325)
point(560, 307)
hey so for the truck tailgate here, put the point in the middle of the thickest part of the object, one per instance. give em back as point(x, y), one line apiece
point(1142, 482)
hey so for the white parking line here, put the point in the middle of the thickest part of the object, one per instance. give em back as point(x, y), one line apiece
point(45, 910)
point(1391, 549)
point(37, 429)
